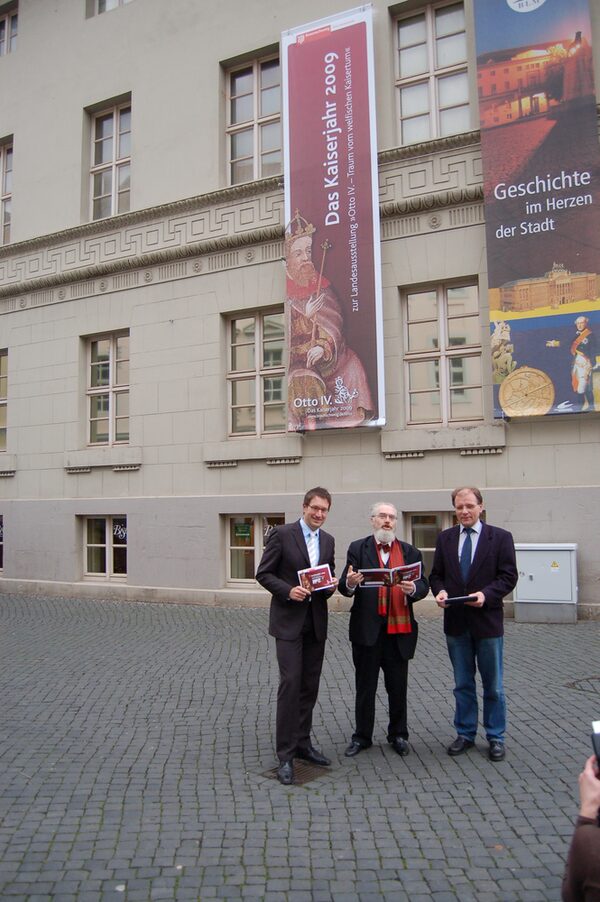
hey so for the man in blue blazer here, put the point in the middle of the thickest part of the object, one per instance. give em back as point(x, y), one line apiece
point(477, 560)
point(383, 629)
point(298, 621)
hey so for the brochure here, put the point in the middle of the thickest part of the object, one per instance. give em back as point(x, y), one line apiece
point(316, 578)
point(381, 576)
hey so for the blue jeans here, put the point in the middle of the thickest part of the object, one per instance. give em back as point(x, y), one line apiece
point(467, 654)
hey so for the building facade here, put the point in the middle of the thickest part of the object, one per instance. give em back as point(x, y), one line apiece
point(144, 450)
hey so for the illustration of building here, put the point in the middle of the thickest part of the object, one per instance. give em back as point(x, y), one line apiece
point(554, 289)
point(143, 442)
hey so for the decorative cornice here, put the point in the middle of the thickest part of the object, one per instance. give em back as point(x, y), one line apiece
point(7, 473)
point(433, 201)
point(220, 464)
point(161, 211)
point(281, 461)
point(469, 452)
point(439, 145)
point(402, 455)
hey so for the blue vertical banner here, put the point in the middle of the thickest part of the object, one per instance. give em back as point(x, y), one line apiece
point(541, 169)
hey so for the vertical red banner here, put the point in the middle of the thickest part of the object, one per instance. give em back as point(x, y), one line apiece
point(541, 167)
point(333, 294)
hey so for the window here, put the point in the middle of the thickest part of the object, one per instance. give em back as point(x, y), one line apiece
point(423, 530)
point(103, 6)
point(3, 397)
point(257, 400)
point(443, 354)
point(111, 161)
point(246, 536)
point(432, 81)
point(6, 169)
point(254, 121)
point(8, 32)
point(108, 389)
point(106, 547)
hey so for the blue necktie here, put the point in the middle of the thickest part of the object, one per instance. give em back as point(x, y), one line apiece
point(465, 554)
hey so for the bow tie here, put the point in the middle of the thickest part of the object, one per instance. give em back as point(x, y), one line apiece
point(384, 547)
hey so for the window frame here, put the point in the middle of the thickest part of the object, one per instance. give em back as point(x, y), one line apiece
point(10, 33)
point(3, 398)
point(6, 171)
point(1, 543)
point(112, 389)
point(115, 166)
point(261, 529)
point(443, 354)
point(255, 124)
point(258, 374)
point(109, 545)
point(432, 76)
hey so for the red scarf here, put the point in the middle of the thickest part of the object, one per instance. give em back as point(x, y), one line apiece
point(392, 601)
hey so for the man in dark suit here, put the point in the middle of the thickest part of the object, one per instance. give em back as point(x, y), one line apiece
point(298, 621)
point(383, 629)
point(474, 559)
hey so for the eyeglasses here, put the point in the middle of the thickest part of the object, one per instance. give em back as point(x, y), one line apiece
point(318, 510)
point(385, 517)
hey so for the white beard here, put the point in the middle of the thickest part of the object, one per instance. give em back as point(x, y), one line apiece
point(385, 536)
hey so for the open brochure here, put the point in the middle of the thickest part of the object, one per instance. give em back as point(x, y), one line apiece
point(316, 578)
point(381, 576)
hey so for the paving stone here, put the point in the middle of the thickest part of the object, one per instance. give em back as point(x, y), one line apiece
point(135, 739)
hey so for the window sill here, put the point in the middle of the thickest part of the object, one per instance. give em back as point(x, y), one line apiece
point(115, 457)
point(417, 441)
point(275, 448)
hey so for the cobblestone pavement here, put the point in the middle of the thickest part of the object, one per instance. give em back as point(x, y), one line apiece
point(135, 740)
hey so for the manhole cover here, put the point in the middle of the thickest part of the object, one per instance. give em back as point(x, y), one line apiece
point(587, 684)
point(304, 772)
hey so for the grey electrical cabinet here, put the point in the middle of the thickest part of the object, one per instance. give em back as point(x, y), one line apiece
point(547, 587)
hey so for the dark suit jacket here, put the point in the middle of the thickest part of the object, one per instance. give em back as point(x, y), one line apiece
point(285, 553)
point(493, 572)
point(365, 621)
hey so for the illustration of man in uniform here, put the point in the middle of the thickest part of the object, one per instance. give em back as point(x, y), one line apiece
point(584, 350)
point(327, 383)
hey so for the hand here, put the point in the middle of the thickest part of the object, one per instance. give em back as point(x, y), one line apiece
point(314, 304)
point(589, 789)
point(407, 586)
point(480, 600)
point(299, 593)
point(314, 354)
point(441, 599)
point(353, 578)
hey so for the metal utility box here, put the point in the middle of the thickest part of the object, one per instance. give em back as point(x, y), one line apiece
point(547, 587)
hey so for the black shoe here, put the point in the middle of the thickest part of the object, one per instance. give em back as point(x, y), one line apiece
point(496, 752)
point(399, 745)
point(315, 756)
point(460, 745)
point(285, 772)
point(354, 748)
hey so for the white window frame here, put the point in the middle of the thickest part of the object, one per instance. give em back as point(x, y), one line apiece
point(114, 391)
point(444, 354)
point(3, 397)
point(432, 76)
point(113, 542)
point(254, 124)
point(10, 31)
point(6, 170)
point(262, 524)
point(259, 373)
point(445, 520)
point(117, 167)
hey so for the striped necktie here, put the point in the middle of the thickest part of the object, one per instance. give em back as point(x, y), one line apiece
point(313, 553)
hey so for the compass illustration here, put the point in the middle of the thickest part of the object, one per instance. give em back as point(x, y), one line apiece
point(526, 392)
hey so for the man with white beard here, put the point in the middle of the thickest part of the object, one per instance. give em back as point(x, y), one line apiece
point(383, 629)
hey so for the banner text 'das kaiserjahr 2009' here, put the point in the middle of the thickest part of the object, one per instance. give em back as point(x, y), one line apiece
point(333, 290)
point(541, 166)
